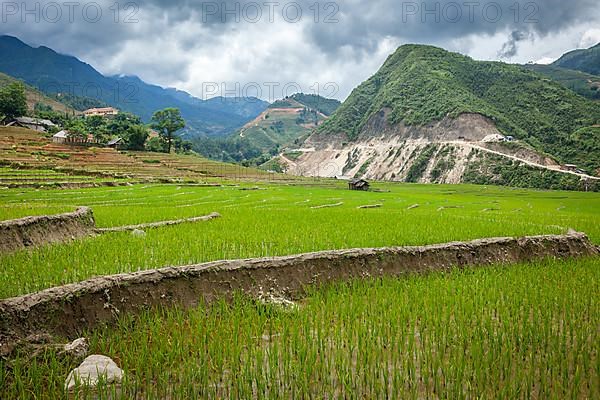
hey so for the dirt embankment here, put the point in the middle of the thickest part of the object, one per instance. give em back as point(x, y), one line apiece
point(159, 224)
point(67, 310)
point(39, 230)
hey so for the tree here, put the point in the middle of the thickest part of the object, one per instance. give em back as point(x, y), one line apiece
point(136, 137)
point(167, 122)
point(96, 125)
point(77, 129)
point(13, 102)
point(155, 145)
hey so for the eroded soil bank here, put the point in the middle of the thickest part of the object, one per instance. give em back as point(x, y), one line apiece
point(36, 231)
point(39, 230)
point(67, 310)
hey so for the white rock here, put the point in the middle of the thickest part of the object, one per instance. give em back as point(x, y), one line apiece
point(78, 347)
point(93, 369)
point(138, 233)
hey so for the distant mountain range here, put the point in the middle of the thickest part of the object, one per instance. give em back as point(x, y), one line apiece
point(54, 73)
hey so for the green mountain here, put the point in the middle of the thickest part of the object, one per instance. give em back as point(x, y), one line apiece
point(585, 60)
point(315, 102)
point(285, 123)
point(56, 74)
point(584, 84)
point(420, 85)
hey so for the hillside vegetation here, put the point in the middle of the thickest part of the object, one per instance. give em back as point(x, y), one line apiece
point(585, 60)
point(34, 96)
point(582, 83)
point(421, 84)
point(319, 103)
point(286, 122)
point(25, 150)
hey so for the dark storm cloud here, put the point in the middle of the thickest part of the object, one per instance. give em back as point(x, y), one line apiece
point(332, 25)
point(364, 23)
point(509, 49)
point(181, 41)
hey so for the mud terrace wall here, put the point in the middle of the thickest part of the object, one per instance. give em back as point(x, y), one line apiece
point(26, 232)
point(35, 231)
point(66, 310)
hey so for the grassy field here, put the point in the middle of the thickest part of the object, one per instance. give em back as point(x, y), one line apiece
point(528, 331)
point(278, 220)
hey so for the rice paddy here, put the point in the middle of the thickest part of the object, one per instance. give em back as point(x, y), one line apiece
point(526, 331)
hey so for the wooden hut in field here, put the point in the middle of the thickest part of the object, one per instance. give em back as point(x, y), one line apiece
point(115, 143)
point(358, 184)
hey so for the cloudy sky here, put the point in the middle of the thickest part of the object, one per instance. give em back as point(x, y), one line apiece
point(233, 47)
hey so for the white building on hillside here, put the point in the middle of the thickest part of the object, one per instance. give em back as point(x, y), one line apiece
point(60, 137)
point(102, 112)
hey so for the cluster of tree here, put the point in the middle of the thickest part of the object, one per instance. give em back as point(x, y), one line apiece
point(233, 150)
point(128, 127)
point(308, 116)
point(134, 133)
point(79, 103)
point(13, 102)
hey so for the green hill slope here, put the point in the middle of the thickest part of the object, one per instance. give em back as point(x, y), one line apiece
point(285, 123)
point(422, 84)
point(584, 84)
point(34, 96)
point(585, 60)
point(287, 120)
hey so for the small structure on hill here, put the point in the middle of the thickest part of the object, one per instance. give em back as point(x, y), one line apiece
point(102, 112)
point(494, 138)
point(66, 137)
point(61, 137)
point(358, 184)
point(570, 167)
point(36, 124)
point(115, 143)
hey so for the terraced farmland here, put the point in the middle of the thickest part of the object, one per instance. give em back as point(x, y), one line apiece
point(277, 220)
point(26, 149)
point(526, 331)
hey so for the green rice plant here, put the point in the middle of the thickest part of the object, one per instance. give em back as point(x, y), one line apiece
point(525, 331)
point(276, 221)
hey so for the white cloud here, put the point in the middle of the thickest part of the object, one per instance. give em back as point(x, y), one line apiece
point(545, 60)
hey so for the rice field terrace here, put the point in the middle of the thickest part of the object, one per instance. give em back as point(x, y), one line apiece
point(525, 331)
point(26, 149)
